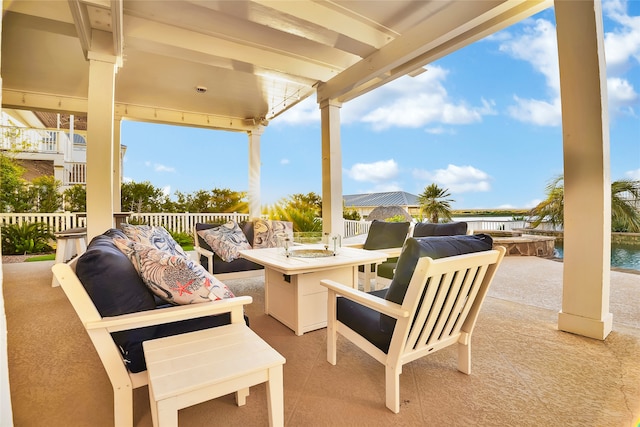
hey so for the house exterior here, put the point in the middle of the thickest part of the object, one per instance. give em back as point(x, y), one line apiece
point(365, 203)
point(48, 144)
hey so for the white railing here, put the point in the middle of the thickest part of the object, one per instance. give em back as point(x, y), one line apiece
point(184, 222)
point(30, 140)
point(58, 221)
point(75, 173)
point(355, 228)
point(490, 225)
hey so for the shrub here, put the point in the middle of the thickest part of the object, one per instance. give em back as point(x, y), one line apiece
point(26, 238)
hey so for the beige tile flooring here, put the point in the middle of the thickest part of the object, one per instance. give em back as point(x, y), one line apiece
point(524, 371)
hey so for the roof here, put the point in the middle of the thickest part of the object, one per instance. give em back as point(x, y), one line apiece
point(391, 198)
point(230, 65)
point(381, 213)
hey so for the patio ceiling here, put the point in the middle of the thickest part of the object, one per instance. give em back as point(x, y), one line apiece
point(256, 59)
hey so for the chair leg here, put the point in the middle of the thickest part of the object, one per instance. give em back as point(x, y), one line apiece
point(241, 396)
point(123, 407)
point(332, 335)
point(464, 358)
point(392, 388)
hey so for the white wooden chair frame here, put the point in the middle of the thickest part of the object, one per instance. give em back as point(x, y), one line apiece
point(455, 289)
point(100, 328)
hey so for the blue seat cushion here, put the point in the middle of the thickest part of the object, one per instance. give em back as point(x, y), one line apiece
point(364, 321)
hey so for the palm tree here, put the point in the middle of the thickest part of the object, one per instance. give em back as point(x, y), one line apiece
point(435, 204)
point(625, 216)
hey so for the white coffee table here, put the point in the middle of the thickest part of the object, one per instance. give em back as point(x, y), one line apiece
point(292, 290)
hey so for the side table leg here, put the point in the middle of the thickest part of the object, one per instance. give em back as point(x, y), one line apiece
point(241, 396)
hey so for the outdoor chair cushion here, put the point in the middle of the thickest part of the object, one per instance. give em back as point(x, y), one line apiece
point(158, 237)
point(424, 229)
point(383, 235)
point(226, 240)
point(175, 279)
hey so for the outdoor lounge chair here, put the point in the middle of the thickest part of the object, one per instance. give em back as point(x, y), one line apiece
point(431, 304)
point(386, 237)
point(100, 328)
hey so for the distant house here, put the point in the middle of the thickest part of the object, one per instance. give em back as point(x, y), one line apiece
point(365, 203)
point(47, 143)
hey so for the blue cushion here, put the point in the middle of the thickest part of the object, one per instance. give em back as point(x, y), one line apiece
point(383, 235)
point(424, 229)
point(364, 321)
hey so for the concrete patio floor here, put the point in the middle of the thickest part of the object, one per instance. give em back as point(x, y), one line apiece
point(524, 371)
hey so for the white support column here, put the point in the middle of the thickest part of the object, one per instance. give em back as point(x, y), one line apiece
point(100, 145)
point(332, 221)
point(254, 171)
point(117, 165)
point(587, 180)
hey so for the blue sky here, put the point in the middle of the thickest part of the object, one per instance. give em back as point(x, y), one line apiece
point(483, 122)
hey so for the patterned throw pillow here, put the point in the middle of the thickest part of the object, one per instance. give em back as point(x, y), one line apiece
point(173, 278)
point(226, 240)
point(158, 237)
point(266, 232)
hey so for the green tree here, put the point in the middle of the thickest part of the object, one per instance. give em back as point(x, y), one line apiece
point(303, 210)
point(75, 198)
point(44, 193)
point(625, 216)
point(226, 200)
point(435, 204)
point(141, 197)
point(13, 188)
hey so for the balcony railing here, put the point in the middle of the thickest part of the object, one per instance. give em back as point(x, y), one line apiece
point(32, 140)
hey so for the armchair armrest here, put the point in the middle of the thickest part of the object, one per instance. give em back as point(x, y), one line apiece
point(172, 314)
point(207, 253)
point(375, 303)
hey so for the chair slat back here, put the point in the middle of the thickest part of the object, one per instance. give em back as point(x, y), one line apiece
point(444, 297)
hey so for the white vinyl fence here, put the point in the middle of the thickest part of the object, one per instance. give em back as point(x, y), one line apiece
point(184, 222)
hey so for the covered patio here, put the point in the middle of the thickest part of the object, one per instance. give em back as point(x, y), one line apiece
point(235, 66)
point(524, 371)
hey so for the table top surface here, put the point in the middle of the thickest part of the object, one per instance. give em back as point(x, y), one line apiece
point(274, 258)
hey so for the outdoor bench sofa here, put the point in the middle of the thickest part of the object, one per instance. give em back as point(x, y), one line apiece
point(119, 312)
point(217, 245)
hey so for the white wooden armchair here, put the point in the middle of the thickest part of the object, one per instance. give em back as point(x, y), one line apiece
point(100, 329)
point(439, 308)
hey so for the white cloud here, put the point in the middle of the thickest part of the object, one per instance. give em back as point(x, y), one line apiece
point(163, 168)
point(538, 112)
point(284, 161)
point(633, 174)
point(166, 190)
point(127, 179)
point(377, 172)
point(413, 102)
point(457, 179)
point(537, 45)
point(623, 44)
